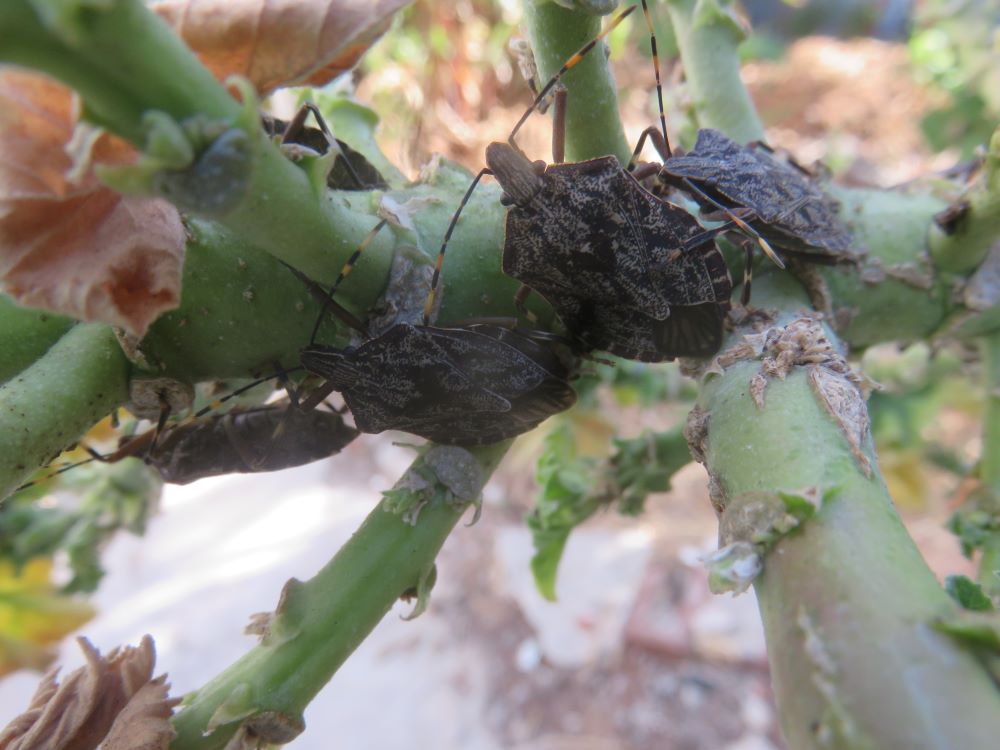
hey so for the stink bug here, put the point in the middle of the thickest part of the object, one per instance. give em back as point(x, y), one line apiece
point(459, 385)
point(238, 441)
point(784, 202)
point(467, 386)
point(626, 271)
point(766, 198)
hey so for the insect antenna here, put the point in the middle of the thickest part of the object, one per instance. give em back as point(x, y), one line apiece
point(661, 142)
point(344, 273)
point(439, 263)
point(567, 66)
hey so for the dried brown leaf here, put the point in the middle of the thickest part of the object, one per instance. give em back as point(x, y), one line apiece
point(144, 724)
point(67, 243)
point(110, 697)
point(278, 43)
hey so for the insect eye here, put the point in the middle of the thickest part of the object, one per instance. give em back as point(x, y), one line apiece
point(539, 167)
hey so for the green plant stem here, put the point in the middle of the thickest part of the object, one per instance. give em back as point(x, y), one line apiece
point(989, 461)
point(75, 383)
point(593, 125)
point(25, 335)
point(846, 599)
point(707, 38)
point(974, 235)
point(321, 621)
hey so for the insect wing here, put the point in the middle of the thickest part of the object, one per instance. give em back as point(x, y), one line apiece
point(581, 234)
point(525, 372)
point(406, 379)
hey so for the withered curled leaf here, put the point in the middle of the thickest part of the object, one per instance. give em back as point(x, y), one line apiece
point(68, 243)
point(280, 42)
point(111, 702)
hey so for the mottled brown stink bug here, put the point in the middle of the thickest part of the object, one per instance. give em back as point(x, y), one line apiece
point(627, 272)
point(766, 197)
point(238, 441)
point(467, 386)
point(242, 441)
point(783, 202)
point(460, 385)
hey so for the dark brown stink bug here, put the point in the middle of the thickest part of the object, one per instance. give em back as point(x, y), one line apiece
point(243, 441)
point(627, 272)
point(459, 385)
point(785, 203)
point(238, 441)
point(470, 385)
point(350, 170)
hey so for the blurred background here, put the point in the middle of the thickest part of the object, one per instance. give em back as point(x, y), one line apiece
point(636, 653)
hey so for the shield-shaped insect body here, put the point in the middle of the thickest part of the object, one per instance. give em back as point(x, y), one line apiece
point(627, 272)
point(787, 205)
point(469, 385)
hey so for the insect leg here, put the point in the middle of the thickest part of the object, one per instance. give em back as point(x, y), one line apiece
point(131, 448)
point(739, 222)
point(161, 422)
point(559, 126)
point(567, 66)
point(659, 85)
point(520, 300)
point(703, 237)
point(296, 124)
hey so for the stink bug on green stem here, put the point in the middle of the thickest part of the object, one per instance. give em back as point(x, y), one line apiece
point(627, 272)
point(257, 439)
point(460, 385)
point(767, 198)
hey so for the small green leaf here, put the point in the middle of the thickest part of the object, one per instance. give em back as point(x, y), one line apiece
point(967, 593)
point(545, 562)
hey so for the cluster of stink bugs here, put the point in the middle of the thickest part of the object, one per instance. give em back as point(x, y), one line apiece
point(626, 270)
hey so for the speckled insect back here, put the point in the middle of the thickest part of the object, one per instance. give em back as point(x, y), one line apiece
point(470, 385)
point(627, 273)
point(459, 385)
point(787, 205)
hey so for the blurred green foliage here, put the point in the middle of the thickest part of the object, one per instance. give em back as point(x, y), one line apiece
point(92, 504)
point(955, 50)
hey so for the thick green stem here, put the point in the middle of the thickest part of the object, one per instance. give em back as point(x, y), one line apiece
point(319, 622)
point(593, 125)
point(25, 335)
point(707, 37)
point(847, 600)
point(51, 404)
